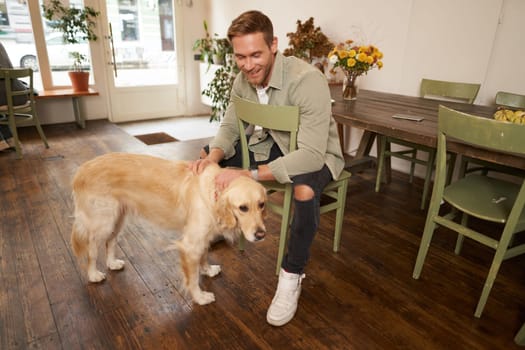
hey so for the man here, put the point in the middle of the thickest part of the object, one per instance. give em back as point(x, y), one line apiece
point(267, 76)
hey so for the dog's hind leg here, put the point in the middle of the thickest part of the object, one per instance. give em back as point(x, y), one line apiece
point(94, 275)
point(190, 261)
point(111, 262)
point(207, 269)
point(102, 219)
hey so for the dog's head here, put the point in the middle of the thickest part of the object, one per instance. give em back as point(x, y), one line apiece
point(242, 206)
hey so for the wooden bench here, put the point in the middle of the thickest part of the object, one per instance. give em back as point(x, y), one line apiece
point(69, 93)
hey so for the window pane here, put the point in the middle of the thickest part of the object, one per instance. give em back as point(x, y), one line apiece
point(59, 52)
point(143, 41)
point(17, 36)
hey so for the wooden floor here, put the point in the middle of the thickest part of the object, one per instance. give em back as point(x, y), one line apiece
point(360, 298)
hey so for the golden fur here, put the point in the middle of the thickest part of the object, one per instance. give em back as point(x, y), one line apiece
point(165, 193)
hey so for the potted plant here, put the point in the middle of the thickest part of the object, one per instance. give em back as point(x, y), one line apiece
point(212, 49)
point(204, 46)
point(77, 25)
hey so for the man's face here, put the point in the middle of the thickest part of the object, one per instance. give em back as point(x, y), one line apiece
point(254, 58)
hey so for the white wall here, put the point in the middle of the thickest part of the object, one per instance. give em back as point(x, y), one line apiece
point(461, 40)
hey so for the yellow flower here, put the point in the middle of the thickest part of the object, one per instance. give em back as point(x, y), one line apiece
point(354, 59)
point(361, 57)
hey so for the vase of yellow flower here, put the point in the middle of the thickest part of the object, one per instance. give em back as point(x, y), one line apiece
point(354, 60)
point(350, 86)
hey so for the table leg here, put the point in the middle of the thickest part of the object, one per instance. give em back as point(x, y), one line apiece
point(366, 143)
point(79, 118)
point(362, 159)
point(341, 133)
point(387, 164)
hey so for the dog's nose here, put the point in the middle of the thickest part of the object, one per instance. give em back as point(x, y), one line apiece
point(260, 235)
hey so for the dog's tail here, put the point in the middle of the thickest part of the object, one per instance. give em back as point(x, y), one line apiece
point(79, 240)
point(79, 233)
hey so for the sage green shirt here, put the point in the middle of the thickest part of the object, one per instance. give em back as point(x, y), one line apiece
point(296, 83)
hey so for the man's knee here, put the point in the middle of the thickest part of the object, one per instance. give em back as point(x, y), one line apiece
point(303, 193)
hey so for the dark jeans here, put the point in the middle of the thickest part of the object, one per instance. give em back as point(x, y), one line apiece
point(5, 133)
point(306, 213)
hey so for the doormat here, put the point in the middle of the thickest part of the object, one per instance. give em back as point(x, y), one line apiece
point(156, 138)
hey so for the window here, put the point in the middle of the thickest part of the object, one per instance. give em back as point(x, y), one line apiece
point(16, 34)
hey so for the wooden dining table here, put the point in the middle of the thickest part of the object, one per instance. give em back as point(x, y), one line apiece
point(372, 111)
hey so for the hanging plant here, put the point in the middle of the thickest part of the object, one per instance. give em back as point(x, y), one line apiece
point(219, 89)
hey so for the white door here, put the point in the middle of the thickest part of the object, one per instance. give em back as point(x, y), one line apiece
point(144, 72)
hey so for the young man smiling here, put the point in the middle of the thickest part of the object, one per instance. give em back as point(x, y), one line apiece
point(266, 76)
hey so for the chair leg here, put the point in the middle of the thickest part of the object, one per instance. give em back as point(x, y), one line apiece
point(451, 164)
point(14, 132)
point(339, 216)
point(241, 243)
point(41, 132)
point(494, 268)
point(285, 223)
point(461, 238)
point(519, 339)
point(463, 164)
point(381, 149)
point(428, 178)
point(412, 165)
point(428, 232)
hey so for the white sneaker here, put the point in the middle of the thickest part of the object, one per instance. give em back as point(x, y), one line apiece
point(284, 303)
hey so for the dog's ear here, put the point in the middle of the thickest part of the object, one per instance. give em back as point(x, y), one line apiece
point(224, 211)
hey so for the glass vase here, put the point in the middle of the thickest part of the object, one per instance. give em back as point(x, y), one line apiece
point(350, 87)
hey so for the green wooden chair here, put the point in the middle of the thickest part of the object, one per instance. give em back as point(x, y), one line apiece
point(468, 164)
point(22, 115)
point(483, 197)
point(462, 92)
point(286, 118)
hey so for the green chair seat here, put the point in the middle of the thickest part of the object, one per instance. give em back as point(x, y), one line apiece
point(493, 200)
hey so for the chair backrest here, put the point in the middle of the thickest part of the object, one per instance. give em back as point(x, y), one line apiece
point(464, 92)
point(281, 118)
point(9, 75)
point(479, 131)
point(509, 99)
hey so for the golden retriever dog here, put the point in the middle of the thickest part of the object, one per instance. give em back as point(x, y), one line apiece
point(167, 194)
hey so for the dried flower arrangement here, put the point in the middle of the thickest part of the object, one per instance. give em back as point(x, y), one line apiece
point(308, 42)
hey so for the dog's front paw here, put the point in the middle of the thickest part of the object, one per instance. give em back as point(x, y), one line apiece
point(96, 276)
point(211, 270)
point(203, 298)
point(115, 264)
